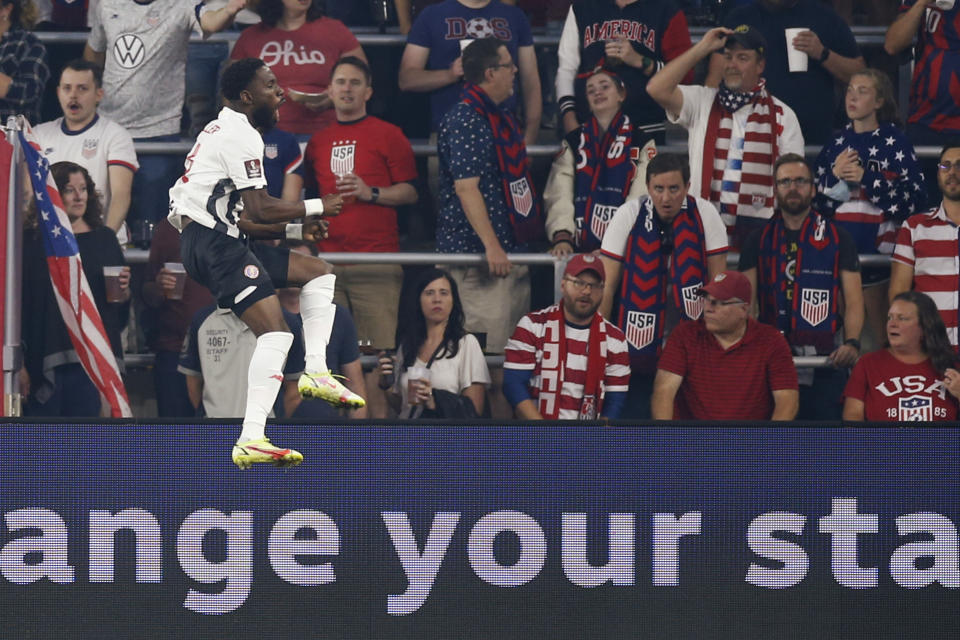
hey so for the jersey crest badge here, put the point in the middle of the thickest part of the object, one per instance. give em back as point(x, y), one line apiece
point(522, 197)
point(640, 328)
point(89, 148)
point(916, 409)
point(341, 157)
point(251, 271)
point(814, 305)
point(270, 151)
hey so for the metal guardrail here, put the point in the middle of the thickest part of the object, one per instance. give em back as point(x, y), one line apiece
point(143, 360)
point(138, 256)
point(370, 36)
point(423, 148)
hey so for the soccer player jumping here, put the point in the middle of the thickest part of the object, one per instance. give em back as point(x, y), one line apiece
point(220, 201)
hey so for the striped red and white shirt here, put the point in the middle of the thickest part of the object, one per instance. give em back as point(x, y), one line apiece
point(930, 243)
point(531, 342)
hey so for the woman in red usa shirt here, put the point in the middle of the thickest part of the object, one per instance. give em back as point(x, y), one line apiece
point(914, 378)
point(300, 45)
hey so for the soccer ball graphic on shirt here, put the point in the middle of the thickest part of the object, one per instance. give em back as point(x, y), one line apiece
point(479, 28)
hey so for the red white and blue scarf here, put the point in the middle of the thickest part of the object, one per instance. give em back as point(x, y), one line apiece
point(604, 173)
point(643, 292)
point(811, 318)
point(526, 212)
point(750, 182)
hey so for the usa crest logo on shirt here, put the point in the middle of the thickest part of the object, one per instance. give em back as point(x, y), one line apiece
point(916, 409)
point(814, 305)
point(640, 328)
point(341, 157)
point(522, 197)
point(270, 151)
point(89, 148)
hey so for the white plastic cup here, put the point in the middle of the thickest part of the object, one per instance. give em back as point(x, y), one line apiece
point(944, 5)
point(180, 273)
point(796, 60)
point(415, 376)
point(111, 277)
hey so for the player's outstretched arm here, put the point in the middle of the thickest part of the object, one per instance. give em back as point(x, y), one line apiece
point(262, 208)
point(313, 229)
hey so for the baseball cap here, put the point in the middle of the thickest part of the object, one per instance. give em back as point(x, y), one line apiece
point(749, 38)
point(727, 285)
point(585, 262)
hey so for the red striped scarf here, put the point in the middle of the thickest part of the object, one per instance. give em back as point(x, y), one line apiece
point(752, 185)
point(591, 404)
point(526, 212)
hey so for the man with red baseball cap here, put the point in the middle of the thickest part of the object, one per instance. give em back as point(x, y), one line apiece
point(726, 366)
point(566, 362)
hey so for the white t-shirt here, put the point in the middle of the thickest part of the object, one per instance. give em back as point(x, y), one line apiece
point(695, 116)
point(618, 231)
point(227, 158)
point(101, 144)
point(146, 57)
point(449, 374)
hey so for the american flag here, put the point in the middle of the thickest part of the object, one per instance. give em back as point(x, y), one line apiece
point(70, 286)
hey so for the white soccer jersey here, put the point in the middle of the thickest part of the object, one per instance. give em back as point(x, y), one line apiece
point(100, 145)
point(145, 48)
point(226, 159)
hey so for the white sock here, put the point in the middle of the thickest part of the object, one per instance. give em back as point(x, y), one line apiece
point(317, 310)
point(264, 377)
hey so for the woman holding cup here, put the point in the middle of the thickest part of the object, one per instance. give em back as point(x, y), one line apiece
point(435, 354)
point(53, 381)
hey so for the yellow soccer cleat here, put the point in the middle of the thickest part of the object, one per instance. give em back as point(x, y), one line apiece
point(325, 386)
point(253, 451)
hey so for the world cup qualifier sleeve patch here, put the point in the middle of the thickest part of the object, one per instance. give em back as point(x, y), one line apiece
point(253, 168)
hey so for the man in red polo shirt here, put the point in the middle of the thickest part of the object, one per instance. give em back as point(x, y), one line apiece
point(726, 344)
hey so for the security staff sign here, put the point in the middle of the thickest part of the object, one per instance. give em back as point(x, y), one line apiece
point(479, 532)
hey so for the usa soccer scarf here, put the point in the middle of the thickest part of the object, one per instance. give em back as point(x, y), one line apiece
point(648, 270)
point(591, 404)
point(526, 213)
point(812, 318)
point(603, 177)
point(760, 149)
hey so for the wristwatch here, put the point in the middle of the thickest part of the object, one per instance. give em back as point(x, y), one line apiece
point(374, 194)
point(853, 342)
point(824, 55)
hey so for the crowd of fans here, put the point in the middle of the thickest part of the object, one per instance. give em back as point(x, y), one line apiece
point(650, 322)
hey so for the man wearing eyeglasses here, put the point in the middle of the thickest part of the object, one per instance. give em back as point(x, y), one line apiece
point(927, 246)
point(806, 275)
point(658, 251)
point(761, 381)
point(566, 362)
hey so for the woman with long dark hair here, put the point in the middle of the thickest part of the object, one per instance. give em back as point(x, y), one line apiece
point(914, 377)
point(300, 45)
point(869, 180)
point(434, 351)
point(53, 380)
